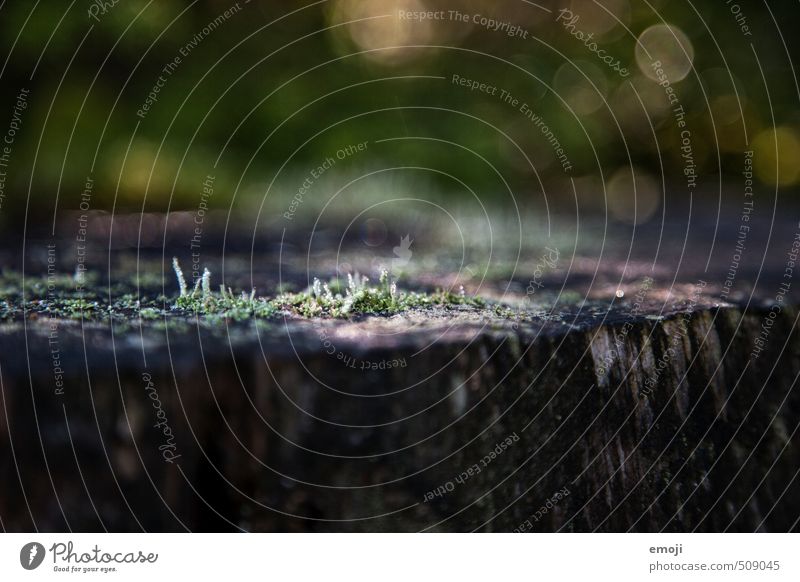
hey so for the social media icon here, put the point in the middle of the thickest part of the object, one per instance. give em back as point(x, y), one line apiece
point(31, 555)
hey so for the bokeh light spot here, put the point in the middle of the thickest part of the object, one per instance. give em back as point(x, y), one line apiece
point(378, 26)
point(667, 45)
point(373, 232)
point(574, 86)
point(775, 156)
point(602, 18)
point(632, 205)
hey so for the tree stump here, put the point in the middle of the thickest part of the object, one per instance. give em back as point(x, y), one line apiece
point(632, 400)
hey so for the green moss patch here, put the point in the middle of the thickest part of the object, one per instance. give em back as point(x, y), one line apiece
point(69, 298)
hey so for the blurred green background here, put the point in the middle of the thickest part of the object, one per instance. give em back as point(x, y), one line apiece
point(268, 90)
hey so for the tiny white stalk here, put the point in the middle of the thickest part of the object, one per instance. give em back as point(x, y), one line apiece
point(206, 283)
point(179, 275)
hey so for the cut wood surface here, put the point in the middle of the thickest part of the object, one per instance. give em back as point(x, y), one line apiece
point(620, 397)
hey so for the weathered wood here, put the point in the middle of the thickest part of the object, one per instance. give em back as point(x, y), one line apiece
point(707, 443)
point(666, 409)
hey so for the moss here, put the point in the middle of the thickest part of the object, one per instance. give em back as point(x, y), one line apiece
point(150, 313)
point(64, 297)
point(332, 299)
point(361, 298)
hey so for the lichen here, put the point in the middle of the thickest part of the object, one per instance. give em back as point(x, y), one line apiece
point(332, 299)
point(71, 299)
